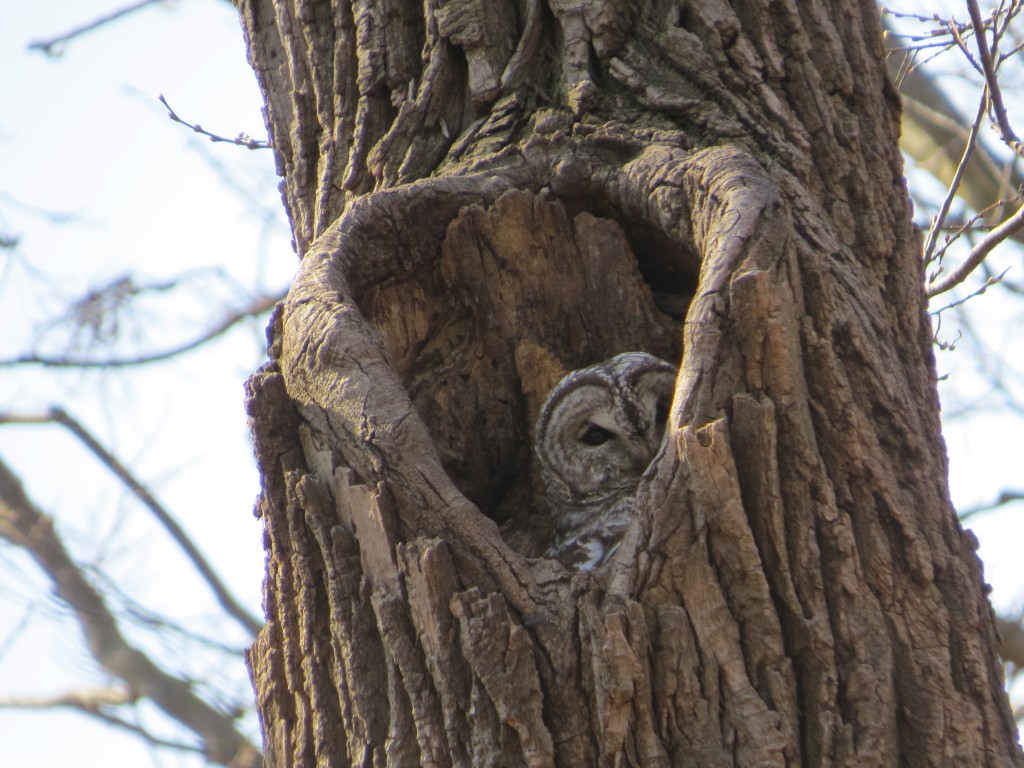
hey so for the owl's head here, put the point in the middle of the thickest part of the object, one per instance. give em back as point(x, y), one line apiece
point(601, 426)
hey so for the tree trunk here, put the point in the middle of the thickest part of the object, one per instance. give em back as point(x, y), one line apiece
point(486, 195)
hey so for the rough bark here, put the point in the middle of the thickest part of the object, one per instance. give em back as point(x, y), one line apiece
point(486, 195)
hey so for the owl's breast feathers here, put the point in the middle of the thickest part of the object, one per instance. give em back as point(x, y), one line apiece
point(586, 551)
point(588, 533)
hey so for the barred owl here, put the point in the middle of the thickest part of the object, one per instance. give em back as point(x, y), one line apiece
point(599, 429)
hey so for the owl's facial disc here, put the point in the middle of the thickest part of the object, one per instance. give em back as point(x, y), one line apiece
point(596, 434)
point(607, 454)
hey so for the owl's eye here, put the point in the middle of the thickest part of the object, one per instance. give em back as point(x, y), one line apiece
point(596, 435)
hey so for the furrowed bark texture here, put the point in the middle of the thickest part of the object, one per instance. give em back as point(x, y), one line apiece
point(485, 195)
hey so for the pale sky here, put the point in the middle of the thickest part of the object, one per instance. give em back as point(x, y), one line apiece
point(84, 135)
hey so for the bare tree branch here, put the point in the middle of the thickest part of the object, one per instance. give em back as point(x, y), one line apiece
point(87, 699)
point(934, 137)
point(1004, 498)
point(954, 185)
point(95, 703)
point(243, 139)
point(989, 282)
point(258, 306)
point(227, 601)
point(978, 253)
point(55, 46)
point(988, 69)
point(24, 525)
point(936, 131)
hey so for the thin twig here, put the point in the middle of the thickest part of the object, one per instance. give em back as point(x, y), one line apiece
point(13, 633)
point(954, 185)
point(958, 35)
point(86, 699)
point(1011, 53)
point(242, 139)
point(1013, 286)
point(978, 253)
point(977, 292)
point(257, 307)
point(885, 11)
point(995, 370)
point(221, 592)
point(53, 46)
point(1004, 498)
point(992, 81)
point(96, 702)
point(976, 223)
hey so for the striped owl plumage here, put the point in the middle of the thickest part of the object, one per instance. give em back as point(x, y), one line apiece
point(599, 429)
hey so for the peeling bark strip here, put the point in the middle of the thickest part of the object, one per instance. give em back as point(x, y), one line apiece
point(486, 195)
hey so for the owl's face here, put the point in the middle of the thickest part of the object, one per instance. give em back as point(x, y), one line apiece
point(602, 426)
